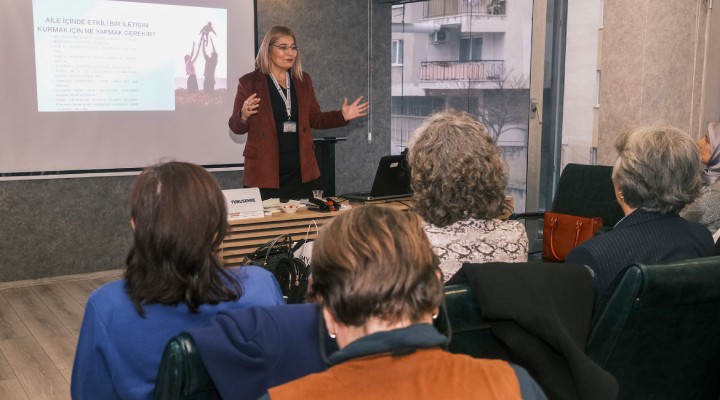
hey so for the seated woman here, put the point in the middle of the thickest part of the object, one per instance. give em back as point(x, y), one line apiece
point(458, 181)
point(173, 281)
point(376, 277)
point(706, 208)
point(656, 174)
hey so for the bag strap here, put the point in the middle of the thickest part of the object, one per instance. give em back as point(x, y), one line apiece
point(307, 234)
point(302, 242)
point(286, 241)
point(578, 229)
point(553, 224)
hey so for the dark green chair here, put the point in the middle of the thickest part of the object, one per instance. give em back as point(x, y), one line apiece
point(582, 190)
point(182, 374)
point(658, 331)
point(470, 334)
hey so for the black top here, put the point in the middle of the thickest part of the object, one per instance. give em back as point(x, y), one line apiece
point(288, 143)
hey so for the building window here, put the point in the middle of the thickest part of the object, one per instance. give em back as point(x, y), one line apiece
point(397, 52)
point(471, 49)
point(482, 70)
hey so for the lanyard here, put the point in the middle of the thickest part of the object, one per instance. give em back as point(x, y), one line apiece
point(285, 97)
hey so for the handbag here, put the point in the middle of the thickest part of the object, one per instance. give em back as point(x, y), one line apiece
point(564, 232)
point(290, 272)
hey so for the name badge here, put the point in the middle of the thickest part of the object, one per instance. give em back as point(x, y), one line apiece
point(289, 126)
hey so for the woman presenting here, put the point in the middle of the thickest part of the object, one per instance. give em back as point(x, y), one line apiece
point(276, 106)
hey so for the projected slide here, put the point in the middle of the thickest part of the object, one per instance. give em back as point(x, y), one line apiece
point(128, 56)
point(105, 85)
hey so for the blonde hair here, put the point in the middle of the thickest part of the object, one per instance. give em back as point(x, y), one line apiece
point(263, 60)
point(374, 261)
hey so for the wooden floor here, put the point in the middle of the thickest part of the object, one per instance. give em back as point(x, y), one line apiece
point(39, 326)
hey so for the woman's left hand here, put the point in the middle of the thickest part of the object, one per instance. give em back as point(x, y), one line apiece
point(354, 110)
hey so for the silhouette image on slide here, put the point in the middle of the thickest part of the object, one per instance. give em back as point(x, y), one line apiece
point(190, 96)
point(192, 84)
point(210, 65)
point(205, 32)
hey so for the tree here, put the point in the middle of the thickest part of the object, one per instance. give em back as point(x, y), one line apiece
point(505, 107)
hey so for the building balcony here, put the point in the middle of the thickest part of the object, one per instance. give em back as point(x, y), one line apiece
point(477, 71)
point(445, 8)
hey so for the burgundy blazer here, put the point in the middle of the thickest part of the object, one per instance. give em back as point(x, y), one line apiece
point(261, 150)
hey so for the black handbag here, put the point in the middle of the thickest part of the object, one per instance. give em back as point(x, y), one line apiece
point(291, 272)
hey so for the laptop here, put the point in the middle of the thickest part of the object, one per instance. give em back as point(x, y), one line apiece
point(392, 180)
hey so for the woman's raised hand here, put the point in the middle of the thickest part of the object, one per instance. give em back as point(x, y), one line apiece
point(354, 110)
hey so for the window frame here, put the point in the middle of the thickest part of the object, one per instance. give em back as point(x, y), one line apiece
point(397, 49)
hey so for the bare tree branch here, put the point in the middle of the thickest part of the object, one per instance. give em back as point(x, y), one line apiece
point(505, 107)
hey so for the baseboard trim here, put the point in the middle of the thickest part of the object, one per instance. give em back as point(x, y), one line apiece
point(63, 278)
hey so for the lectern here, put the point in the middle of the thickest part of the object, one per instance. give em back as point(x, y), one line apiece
point(325, 155)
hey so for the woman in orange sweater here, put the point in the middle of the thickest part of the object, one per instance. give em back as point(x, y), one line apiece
point(378, 281)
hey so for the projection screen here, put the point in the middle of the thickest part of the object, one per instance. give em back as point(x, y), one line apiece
point(102, 86)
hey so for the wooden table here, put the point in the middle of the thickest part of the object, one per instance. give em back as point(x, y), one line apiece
point(246, 235)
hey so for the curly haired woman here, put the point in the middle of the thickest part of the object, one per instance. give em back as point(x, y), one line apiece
point(458, 181)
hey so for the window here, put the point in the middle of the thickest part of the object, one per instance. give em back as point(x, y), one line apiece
point(396, 52)
point(471, 49)
point(500, 62)
point(454, 76)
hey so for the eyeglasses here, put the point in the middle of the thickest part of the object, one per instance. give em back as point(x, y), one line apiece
point(284, 48)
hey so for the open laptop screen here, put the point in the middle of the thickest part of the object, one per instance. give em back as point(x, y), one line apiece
point(392, 180)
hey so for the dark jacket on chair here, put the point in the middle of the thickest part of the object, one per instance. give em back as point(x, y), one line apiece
point(641, 237)
point(249, 351)
point(541, 314)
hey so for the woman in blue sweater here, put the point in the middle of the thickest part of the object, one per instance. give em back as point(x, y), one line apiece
point(173, 281)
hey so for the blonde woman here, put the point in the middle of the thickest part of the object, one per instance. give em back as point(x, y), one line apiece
point(275, 106)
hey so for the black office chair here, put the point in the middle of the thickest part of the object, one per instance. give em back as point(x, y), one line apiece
point(658, 331)
point(182, 374)
point(585, 191)
point(471, 335)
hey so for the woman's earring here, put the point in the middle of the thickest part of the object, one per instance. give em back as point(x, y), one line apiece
point(621, 196)
point(434, 315)
point(332, 335)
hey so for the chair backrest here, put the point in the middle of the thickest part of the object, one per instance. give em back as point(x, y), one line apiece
point(470, 334)
point(182, 374)
point(658, 332)
point(587, 191)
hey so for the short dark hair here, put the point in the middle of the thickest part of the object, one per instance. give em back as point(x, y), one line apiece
point(374, 261)
point(180, 220)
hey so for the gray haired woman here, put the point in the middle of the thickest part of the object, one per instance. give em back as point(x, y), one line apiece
point(656, 174)
point(706, 208)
